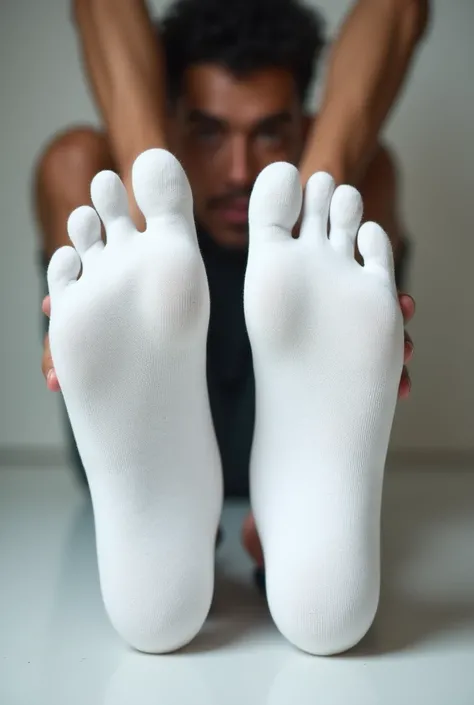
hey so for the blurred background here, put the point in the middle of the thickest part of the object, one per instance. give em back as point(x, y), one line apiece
point(431, 129)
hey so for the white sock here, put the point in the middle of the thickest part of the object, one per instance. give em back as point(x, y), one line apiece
point(327, 343)
point(128, 341)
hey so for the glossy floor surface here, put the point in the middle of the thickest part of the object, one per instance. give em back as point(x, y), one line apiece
point(57, 648)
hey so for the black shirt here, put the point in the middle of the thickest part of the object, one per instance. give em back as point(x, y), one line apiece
point(229, 363)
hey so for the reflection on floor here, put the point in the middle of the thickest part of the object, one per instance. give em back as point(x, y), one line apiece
point(57, 647)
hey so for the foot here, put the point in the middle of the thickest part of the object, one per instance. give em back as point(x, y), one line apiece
point(128, 340)
point(325, 401)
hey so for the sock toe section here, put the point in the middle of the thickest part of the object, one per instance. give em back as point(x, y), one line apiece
point(345, 214)
point(276, 200)
point(84, 230)
point(160, 185)
point(376, 249)
point(109, 197)
point(318, 194)
point(64, 268)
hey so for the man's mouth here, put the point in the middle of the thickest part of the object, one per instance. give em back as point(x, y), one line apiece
point(235, 212)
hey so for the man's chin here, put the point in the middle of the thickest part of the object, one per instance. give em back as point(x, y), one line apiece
point(231, 237)
point(236, 238)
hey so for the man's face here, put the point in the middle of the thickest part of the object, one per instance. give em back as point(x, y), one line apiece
point(225, 131)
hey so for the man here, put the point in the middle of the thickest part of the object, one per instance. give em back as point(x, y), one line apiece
point(223, 86)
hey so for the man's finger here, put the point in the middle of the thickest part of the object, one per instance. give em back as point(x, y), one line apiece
point(46, 306)
point(47, 367)
point(409, 349)
point(52, 381)
point(407, 304)
point(405, 385)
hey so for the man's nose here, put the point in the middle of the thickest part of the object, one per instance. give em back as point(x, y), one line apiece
point(240, 167)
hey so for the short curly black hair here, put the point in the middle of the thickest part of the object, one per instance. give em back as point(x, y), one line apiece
point(243, 36)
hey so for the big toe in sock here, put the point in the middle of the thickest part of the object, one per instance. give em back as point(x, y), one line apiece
point(327, 345)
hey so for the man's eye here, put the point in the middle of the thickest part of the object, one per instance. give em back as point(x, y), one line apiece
point(207, 132)
point(271, 136)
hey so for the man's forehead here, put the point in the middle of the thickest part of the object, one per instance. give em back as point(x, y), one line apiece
point(212, 89)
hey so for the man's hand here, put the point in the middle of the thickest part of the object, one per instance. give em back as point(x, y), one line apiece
point(47, 361)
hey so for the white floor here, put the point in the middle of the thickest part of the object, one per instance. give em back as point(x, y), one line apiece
point(57, 648)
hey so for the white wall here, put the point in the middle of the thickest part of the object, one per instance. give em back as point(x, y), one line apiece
point(42, 90)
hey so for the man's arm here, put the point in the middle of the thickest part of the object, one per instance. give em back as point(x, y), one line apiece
point(124, 64)
point(367, 67)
